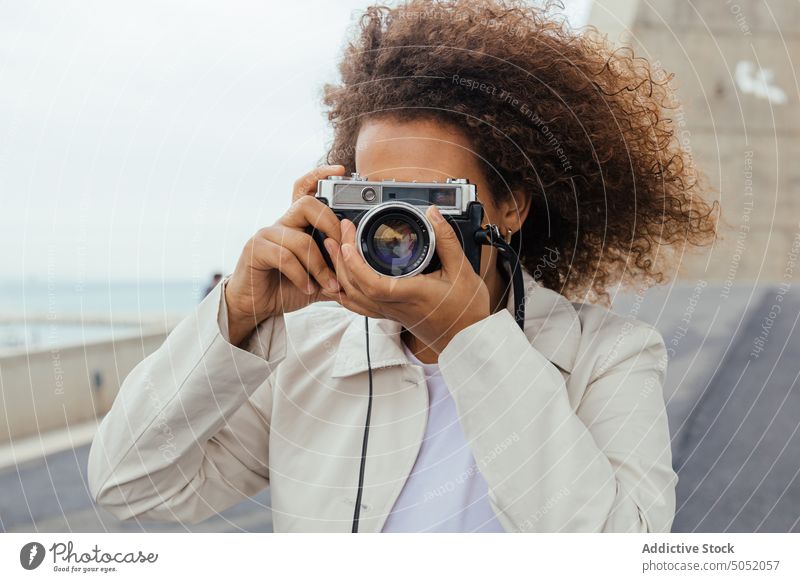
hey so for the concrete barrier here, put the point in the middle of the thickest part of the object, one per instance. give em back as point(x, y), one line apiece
point(54, 388)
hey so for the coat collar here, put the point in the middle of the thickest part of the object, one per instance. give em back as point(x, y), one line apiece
point(551, 325)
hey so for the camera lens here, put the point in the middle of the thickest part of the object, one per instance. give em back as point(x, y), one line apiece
point(396, 239)
point(395, 242)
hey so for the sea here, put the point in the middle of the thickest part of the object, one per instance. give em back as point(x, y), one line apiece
point(39, 314)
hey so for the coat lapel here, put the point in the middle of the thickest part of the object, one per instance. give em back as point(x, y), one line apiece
point(551, 323)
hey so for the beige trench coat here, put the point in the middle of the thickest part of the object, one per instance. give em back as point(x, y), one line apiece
point(566, 421)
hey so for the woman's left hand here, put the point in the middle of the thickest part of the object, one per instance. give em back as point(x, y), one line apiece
point(434, 307)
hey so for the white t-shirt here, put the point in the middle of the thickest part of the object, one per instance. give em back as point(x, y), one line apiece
point(445, 491)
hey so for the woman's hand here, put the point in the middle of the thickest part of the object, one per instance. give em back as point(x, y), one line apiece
point(272, 274)
point(434, 307)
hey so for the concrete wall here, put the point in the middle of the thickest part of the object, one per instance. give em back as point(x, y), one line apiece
point(45, 390)
point(736, 72)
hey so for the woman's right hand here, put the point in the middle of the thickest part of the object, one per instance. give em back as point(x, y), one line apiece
point(281, 269)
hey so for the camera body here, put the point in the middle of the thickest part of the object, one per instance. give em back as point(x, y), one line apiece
point(393, 235)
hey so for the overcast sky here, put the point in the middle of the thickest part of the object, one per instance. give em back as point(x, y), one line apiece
point(150, 139)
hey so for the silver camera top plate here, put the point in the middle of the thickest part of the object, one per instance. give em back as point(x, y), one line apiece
point(357, 192)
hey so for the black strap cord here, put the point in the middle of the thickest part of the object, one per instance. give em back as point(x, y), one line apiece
point(489, 235)
point(357, 511)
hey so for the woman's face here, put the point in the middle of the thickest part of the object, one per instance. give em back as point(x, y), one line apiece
point(425, 151)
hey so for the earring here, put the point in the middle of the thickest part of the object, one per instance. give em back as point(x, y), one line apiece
point(508, 238)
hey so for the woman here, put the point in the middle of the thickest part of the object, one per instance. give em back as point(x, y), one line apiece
point(476, 425)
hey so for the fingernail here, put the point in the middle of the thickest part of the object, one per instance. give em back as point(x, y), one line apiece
point(329, 246)
point(347, 250)
point(436, 215)
point(333, 284)
point(311, 289)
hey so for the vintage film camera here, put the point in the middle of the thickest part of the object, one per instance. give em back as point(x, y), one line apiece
point(393, 234)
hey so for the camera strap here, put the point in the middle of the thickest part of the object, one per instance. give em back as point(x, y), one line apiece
point(357, 510)
point(490, 235)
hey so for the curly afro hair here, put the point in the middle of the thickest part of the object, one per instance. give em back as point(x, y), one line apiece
point(559, 115)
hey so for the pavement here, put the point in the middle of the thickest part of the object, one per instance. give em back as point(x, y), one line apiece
point(52, 495)
point(732, 397)
point(733, 402)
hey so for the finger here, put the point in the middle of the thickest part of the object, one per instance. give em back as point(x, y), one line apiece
point(307, 184)
point(269, 255)
point(448, 247)
point(348, 231)
point(352, 293)
point(307, 252)
point(365, 278)
point(335, 253)
point(309, 211)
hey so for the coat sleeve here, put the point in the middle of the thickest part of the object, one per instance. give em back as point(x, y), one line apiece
point(604, 465)
point(187, 435)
